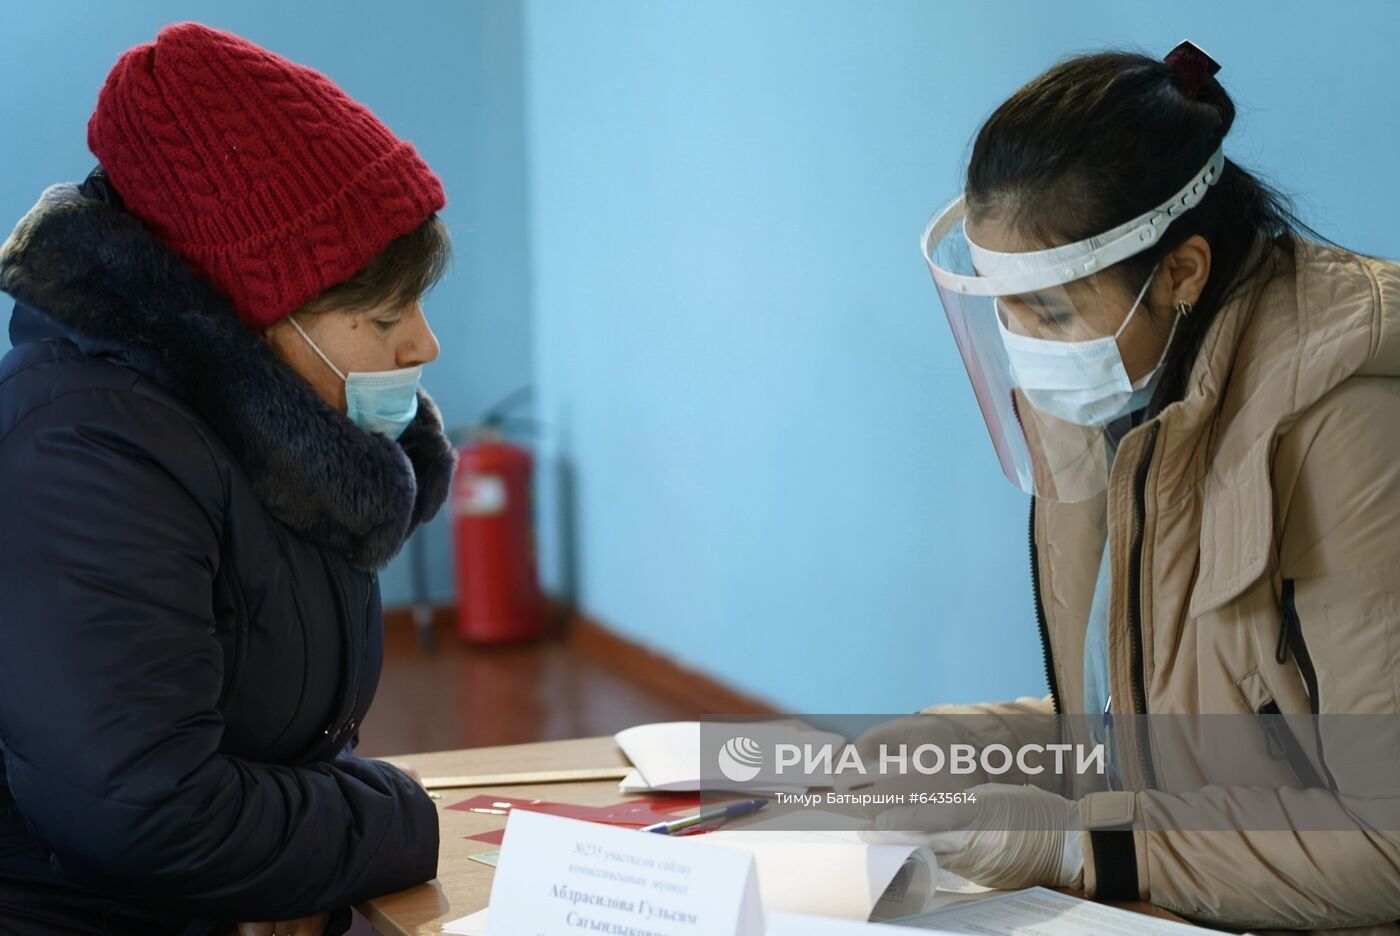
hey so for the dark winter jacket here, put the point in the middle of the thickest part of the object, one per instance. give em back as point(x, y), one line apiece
point(190, 622)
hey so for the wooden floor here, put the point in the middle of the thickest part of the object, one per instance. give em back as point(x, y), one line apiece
point(459, 696)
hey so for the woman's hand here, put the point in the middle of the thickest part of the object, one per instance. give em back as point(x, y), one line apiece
point(1012, 836)
point(904, 737)
point(306, 926)
point(312, 925)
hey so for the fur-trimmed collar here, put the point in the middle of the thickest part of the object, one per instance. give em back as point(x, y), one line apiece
point(97, 272)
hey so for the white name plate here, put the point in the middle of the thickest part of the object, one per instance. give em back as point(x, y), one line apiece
point(558, 875)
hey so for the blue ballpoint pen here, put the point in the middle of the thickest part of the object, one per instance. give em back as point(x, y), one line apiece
point(717, 813)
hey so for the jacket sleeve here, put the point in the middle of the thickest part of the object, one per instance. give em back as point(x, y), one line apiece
point(110, 675)
point(1337, 483)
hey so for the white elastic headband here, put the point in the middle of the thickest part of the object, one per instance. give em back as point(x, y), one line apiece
point(1009, 274)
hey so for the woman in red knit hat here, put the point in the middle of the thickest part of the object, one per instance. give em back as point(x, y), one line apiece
point(211, 437)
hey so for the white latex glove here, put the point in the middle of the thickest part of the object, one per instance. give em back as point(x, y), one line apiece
point(972, 839)
point(911, 731)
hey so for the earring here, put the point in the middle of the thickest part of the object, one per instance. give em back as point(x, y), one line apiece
point(1183, 308)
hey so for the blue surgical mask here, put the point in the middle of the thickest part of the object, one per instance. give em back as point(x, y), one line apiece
point(377, 401)
point(1082, 382)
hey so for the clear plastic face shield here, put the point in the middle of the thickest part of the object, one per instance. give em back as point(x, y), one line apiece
point(1038, 332)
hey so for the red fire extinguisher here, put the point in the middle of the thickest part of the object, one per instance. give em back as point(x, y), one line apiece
point(498, 593)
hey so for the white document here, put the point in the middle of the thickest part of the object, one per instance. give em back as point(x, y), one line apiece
point(667, 755)
point(634, 782)
point(1041, 912)
point(474, 925)
point(801, 924)
point(558, 875)
point(830, 874)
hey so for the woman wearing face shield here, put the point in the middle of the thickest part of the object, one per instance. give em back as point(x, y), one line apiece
point(211, 438)
point(1204, 403)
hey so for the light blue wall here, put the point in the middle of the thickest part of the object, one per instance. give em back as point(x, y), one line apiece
point(778, 471)
point(694, 226)
point(442, 73)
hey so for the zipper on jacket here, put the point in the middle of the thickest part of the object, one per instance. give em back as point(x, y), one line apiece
point(1285, 627)
point(364, 650)
point(1135, 599)
point(1293, 633)
point(345, 719)
point(1045, 650)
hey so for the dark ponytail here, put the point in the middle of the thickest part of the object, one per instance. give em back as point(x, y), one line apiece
point(1099, 139)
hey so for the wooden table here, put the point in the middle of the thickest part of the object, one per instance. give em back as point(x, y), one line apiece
point(463, 886)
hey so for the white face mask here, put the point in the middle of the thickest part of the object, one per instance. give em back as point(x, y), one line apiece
point(1082, 382)
point(377, 401)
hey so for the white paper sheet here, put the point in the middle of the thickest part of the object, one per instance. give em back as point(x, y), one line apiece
point(1013, 919)
point(666, 756)
point(474, 925)
point(634, 782)
point(802, 924)
point(830, 874)
point(1042, 912)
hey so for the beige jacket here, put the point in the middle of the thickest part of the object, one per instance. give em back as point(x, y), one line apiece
point(1269, 494)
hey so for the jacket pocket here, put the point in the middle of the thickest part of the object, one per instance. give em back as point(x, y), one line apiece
point(1283, 745)
point(231, 612)
point(333, 735)
point(1291, 641)
point(1280, 741)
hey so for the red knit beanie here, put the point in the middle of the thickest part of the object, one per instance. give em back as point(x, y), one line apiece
point(261, 173)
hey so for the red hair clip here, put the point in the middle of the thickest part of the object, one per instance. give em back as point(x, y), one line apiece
point(1191, 67)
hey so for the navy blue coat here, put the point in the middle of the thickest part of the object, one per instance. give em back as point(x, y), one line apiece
point(190, 626)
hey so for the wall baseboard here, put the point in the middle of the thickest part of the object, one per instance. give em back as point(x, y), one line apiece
point(637, 663)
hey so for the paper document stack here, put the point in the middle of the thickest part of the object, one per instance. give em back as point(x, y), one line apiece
point(667, 758)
